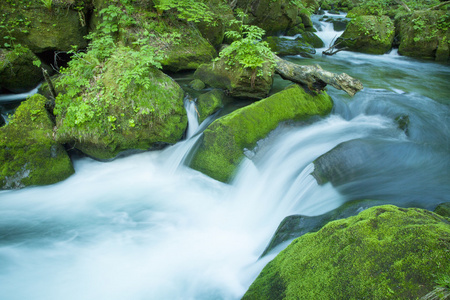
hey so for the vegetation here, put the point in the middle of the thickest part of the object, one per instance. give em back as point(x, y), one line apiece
point(385, 252)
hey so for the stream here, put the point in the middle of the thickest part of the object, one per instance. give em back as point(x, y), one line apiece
point(148, 227)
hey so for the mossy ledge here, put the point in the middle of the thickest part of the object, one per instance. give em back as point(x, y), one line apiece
point(221, 147)
point(385, 252)
point(28, 153)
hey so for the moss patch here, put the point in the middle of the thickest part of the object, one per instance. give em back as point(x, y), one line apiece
point(223, 142)
point(28, 153)
point(209, 103)
point(385, 252)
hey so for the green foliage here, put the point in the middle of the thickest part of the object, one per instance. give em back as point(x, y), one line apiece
point(248, 50)
point(47, 3)
point(84, 98)
point(189, 10)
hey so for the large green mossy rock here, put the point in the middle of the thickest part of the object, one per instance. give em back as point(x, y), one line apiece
point(28, 153)
point(424, 34)
point(104, 120)
point(188, 51)
point(39, 28)
point(274, 17)
point(221, 148)
point(368, 34)
point(239, 81)
point(384, 252)
point(17, 71)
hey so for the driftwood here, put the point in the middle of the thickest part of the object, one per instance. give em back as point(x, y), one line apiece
point(316, 78)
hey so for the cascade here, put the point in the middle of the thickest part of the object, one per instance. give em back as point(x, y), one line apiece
point(148, 227)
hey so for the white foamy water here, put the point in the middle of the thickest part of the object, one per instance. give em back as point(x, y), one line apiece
point(133, 229)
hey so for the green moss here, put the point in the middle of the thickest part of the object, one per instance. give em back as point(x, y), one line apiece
point(368, 34)
point(17, 72)
point(28, 153)
point(221, 149)
point(209, 103)
point(188, 51)
point(384, 252)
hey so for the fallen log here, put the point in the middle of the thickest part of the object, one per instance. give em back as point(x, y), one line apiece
point(316, 78)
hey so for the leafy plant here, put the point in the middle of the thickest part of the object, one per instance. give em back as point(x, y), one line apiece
point(191, 11)
point(248, 50)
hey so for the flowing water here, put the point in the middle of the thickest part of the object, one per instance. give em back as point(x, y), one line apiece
point(148, 227)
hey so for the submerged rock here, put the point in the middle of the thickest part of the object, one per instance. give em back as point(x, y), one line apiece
point(28, 153)
point(443, 209)
point(222, 145)
point(209, 103)
point(297, 225)
point(239, 81)
point(104, 120)
point(384, 252)
point(285, 46)
point(424, 34)
point(368, 34)
point(17, 72)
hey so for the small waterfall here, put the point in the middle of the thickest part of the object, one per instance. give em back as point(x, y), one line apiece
point(11, 98)
point(325, 30)
point(192, 116)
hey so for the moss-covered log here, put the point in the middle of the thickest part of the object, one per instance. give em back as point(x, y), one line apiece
point(222, 146)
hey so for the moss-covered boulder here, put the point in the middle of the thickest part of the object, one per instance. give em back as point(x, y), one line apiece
point(188, 51)
point(384, 252)
point(368, 34)
point(286, 46)
point(28, 153)
point(214, 31)
point(41, 28)
point(197, 84)
point(221, 148)
point(274, 17)
point(17, 71)
point(209, 103)
point(123, 105)
point(239, 81)
point(424, 34)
